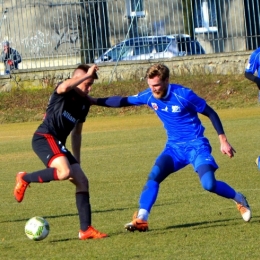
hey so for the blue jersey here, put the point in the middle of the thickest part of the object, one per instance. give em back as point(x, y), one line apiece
point(254, 63)
point(178, 111)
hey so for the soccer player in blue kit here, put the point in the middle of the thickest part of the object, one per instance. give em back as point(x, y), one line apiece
point(252, 67)
point(65, 114)
point(178, 108)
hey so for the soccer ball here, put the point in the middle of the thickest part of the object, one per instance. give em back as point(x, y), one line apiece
point(37, 228)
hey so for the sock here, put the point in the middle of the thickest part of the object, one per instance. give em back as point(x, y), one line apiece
point(149, 195)
point(46, 175)
point(84, 210)
point(224, 190)
point(143, 214)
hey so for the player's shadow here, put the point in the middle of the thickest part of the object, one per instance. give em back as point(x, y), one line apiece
point(63, 215)
point(216, 223)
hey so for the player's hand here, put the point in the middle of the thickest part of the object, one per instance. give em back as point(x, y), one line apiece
point(227, 149)
point(225, 146)
point(93, 69)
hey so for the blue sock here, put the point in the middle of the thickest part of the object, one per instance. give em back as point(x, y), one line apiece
point(149, 195)
point(224, 190)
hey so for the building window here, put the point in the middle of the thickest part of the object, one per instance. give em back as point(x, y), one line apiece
point(134, 8)
point(205, 16)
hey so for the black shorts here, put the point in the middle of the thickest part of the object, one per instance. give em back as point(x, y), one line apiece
point(48, 147)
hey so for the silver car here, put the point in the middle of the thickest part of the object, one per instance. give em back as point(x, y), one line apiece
point(152, 47)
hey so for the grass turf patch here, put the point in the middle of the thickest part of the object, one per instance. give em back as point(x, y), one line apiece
point(186, 222)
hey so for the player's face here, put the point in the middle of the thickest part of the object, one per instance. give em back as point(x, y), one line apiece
point(85, 86)
point(158, 86)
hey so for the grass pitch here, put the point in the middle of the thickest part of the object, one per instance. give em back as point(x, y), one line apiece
point(118, 153)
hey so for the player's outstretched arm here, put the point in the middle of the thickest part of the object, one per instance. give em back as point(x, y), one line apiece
point(114, 101)
point(92, 101)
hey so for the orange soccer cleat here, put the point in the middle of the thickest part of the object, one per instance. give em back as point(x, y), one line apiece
point(91, 233)
point(20, 186)
point(137, 224)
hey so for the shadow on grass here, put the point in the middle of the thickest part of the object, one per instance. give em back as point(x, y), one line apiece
point(63, 215)
point(209, 224)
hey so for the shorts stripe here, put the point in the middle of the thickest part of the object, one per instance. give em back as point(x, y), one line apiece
point(51, 141)
point(55, 148)
point(48, 148)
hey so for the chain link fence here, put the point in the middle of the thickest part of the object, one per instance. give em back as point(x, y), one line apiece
point(67, 32)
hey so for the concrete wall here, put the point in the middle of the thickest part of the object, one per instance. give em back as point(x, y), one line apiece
point(227, 64)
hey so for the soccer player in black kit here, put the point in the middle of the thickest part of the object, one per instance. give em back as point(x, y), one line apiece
point(66, 112)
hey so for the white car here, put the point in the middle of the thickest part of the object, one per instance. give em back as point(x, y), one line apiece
point(152, 47)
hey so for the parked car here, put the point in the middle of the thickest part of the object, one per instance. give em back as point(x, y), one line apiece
point(152, 47)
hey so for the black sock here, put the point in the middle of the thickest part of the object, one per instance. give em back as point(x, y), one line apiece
point(84, 210)
point(46, 175)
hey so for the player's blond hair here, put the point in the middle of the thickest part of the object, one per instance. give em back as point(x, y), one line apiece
point(159, 70)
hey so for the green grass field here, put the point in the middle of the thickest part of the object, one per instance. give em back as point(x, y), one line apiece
point(118, 152)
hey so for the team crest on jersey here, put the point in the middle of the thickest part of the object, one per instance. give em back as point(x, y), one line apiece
point(176, 109)
point(155, 106)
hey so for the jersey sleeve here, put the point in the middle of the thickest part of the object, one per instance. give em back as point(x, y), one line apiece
point(140, 98)
point(194, 102)
point(253, 63)
point(118, 101)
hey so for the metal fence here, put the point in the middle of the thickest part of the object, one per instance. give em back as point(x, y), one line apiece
point(66, 32)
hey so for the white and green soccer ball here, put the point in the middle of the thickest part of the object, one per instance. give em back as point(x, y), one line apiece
point(37, 228)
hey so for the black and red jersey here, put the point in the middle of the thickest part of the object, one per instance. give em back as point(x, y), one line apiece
point(62, 114)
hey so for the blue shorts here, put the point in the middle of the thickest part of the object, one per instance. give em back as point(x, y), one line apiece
point(196, 153)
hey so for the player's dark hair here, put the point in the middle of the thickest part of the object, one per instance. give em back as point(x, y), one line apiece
point(159, 70)
point(85, 68)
